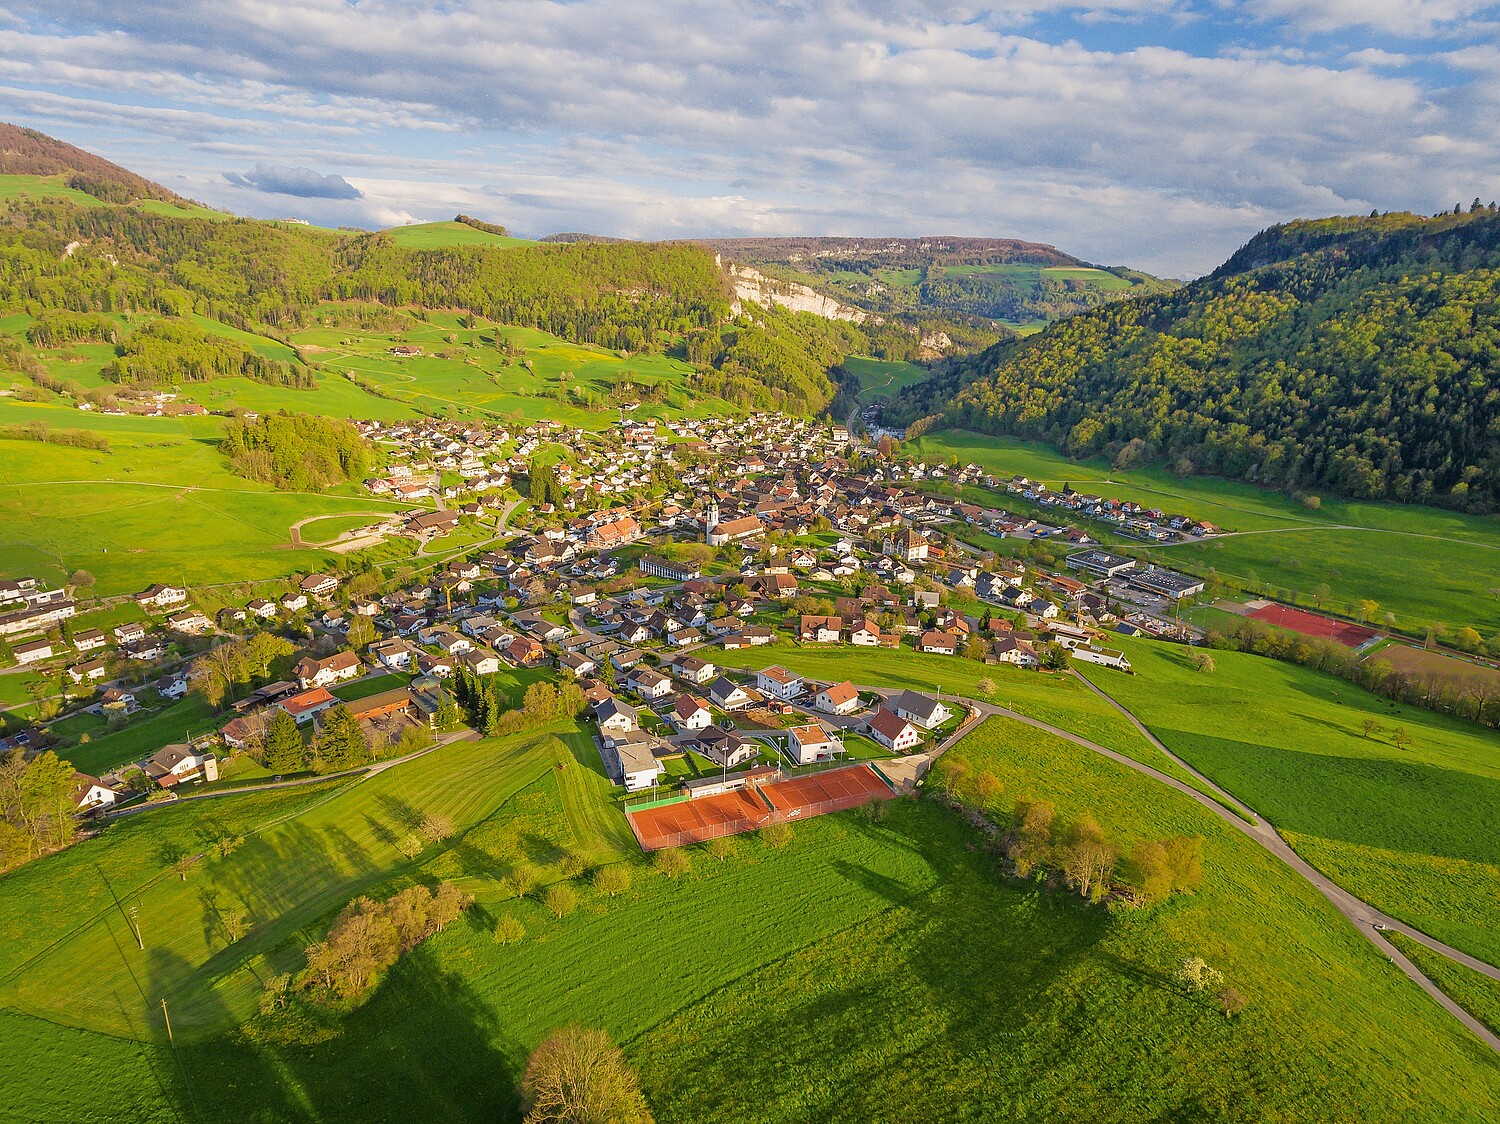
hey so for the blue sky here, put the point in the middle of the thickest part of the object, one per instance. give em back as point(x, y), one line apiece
point(1154, 133)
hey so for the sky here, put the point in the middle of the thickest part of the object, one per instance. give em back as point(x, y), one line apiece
point(1158, 134)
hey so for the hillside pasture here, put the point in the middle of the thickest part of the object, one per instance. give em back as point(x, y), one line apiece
point(441, 235)
point(880, 378)
point(1413, 829)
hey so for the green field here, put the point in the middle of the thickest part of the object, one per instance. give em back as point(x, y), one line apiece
point(161, 505)
point(440, 235)
point(1471, 990)
point(1424, 564)
point(1414, 831)
point(869, 970)
point(880, 378)
point(29, 188)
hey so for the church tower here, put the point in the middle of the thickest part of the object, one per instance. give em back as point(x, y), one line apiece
point(710, 519)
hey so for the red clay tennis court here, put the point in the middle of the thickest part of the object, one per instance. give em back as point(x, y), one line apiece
point(693, 821)
point(817, 793)
point(1310, 624)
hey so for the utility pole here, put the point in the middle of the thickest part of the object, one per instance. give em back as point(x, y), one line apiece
point(135, 923)
point(168, 1020)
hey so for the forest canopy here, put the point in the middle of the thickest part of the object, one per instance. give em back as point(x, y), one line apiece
point(296, 452)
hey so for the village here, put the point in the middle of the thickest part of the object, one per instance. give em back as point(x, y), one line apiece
point(636, 565)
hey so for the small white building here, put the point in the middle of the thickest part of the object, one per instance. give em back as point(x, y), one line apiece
point(1105, 657)
point(839, 698)
point(810, 743)
point(779, 683)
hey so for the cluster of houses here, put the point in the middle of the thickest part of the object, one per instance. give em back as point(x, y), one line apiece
point(1124, 517)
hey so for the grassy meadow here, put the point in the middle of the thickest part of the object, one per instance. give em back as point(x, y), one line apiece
point(882, 378)
point(1424, 564)
point(441, 235)
point(1414, 830)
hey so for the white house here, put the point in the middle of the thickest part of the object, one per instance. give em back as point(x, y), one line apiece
point(810, 743)
point(615, 716)
point(924, 710)
point(325, 672)
point(90, 794)
point(839, 698)
point(778, 682)
point(649, 684)
point(1107, 657)
point(34, 652)
point(727, 694)
point(893, 732)
point(636, 766)
point(174, 764)
point(690, 712)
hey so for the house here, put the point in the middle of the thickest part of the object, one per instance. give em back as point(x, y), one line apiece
point(727, 694)
point(189, 620)
point(394, 654)
point(33, 652)
point(1105, 657)
point(939, 643)
point(810, 743)
point(88, 640)
point(778, 682)
point(649, 684)
point(322, 673)
point(690, 712)
point(115, 698)
point(480, 661)
point(261, 608)
point(90, 672)
point(579, 664)
point(173, 686)
point(616, 533)
point(303, 706)
point(615, 716)
point(319, 585)
point(386, 704)
point(90, 794)
point(925, 711)
point(294, 602)
point(525, 652)
point(893, 732)
point(724, 747)
point(1007, 649)
point(130, 633)
point(173, 764)
point(631, 763)
point(866, 634)
point(626, 658)
point(908, 545)
point(694, 670)
point(439, 667)
point(840, 698)
point(820, 630)
point(161, 596)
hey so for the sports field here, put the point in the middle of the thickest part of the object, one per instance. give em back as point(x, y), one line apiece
point(1419, 661)
point(693, 821)
point(1312, 624)
point(815, 794)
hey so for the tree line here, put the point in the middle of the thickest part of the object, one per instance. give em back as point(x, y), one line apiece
point(36, 806)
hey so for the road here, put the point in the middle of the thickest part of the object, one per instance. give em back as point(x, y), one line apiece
point(1364, 917)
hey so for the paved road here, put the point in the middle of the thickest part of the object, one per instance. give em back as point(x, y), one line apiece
point(1361, 914)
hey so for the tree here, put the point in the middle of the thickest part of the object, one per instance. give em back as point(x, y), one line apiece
point(560, 900)
point(263, 648)
point(508, 930)
point(1087, 859)
point(274, 997)
point(612, 880)
point(1400, 738)
point(1054, 656)
point(721, 847)
point(777, 836)
point(1202, 661)
point(81, 579)
point(671, 862)
point(1232, 1002)
point(285, 751)
point(448, 715)
point(1151, 871)
point(436, 826)
point(361, 632)
point(983, 788)
point(1372, 727)
point(341, 744)
point(1194, 974)
point(578, 1076)
point(1030, 839)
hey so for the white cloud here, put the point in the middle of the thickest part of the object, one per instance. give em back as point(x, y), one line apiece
point(680, 117)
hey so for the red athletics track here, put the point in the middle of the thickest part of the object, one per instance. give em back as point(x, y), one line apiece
point(1310, 624)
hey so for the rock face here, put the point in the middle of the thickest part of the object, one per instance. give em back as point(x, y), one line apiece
point(753, 285)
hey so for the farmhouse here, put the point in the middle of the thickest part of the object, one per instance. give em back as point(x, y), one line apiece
point(820, 630)
point(778, 682)
point(925, 711)
point(893, 732)
point(810, 743)
point(319, 585)
point(840, 698)
point(322, 673)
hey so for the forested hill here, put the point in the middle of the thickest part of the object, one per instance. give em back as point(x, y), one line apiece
point(26, 152)
point(1360, 356)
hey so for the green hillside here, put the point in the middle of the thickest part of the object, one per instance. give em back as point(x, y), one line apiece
point(1356, 356)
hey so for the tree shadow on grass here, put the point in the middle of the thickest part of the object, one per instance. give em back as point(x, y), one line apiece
point(424, 1047)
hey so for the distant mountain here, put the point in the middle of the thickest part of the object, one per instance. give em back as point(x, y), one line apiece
point(1024, 285)
point(1356, 355)
point(26, 152)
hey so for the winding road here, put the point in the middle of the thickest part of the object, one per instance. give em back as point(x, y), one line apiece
point(1368, 920)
